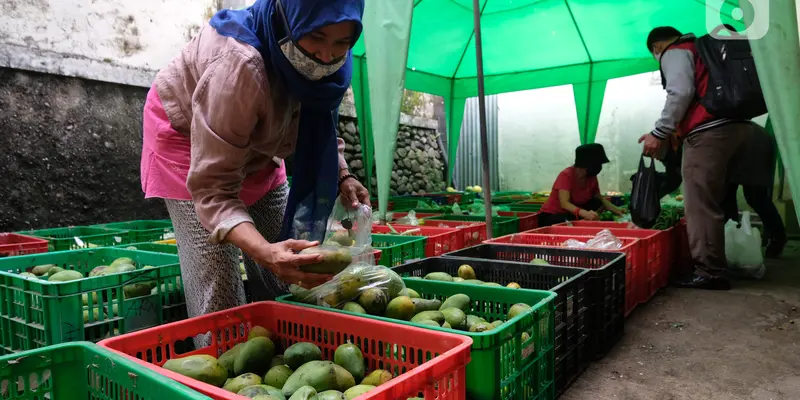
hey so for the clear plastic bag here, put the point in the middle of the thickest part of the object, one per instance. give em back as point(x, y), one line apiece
point(743, 249)
point(350, 284)
point(350, 227)
point(604, 240)
point(409, 219)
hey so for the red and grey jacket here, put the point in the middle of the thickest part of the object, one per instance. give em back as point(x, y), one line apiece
point(685, 78)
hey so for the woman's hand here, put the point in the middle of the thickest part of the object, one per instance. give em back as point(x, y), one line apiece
point(281, 259)
point(353, 192)
point(588, 215)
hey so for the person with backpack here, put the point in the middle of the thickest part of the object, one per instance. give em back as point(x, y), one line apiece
point(703, 111)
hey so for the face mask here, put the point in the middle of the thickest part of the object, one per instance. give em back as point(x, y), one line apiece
point(310, 68)
point(594, 171)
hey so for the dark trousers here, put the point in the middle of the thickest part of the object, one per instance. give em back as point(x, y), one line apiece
point(759, 199)
point(546, 219)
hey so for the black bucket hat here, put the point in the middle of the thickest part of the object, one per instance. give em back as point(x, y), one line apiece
point(590, 155)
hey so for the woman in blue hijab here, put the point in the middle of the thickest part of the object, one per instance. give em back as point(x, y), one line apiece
point(255, 86)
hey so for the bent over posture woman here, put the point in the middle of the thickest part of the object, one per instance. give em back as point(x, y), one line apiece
point(253, 87)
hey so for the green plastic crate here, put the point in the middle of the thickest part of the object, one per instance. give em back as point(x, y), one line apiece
point(501, 226)
point(523, 207)
point(83, 370)
point(397, 250)
point(502, 367)
point(60, 239)
point(144, 230)
point(512, 193)
point(36, 313)
point(150, 246)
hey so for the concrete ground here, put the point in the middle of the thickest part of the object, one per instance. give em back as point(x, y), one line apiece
point(693, 344)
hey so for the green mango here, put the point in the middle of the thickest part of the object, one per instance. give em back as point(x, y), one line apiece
point(412, 293)
point(421, 305)
point(435, 316)
point(493, 284)
point(28, 275)
point(349, 357)
point(377, 377)
point(229, 357)
point(278, 375)
point(354, 308)
point(460, 301)
point(277, 360)
point(136, 290)
point(472, 320)
point(268, 397)
point(517, 309)
point(121, 261)
point(40, 270)
point(429, 323)
point(65, 276)
point(202, 367)
point(357, 390)
point(98, 270)
point(321, 375)
point(304, 393)
point(85, 298)
point(260, 331)
point(242, 381)
point(439, 276)
point(473, 282)
point(254, 391)
point(455, 318)
point(54, 270)
point(401, 308)
point(254, 356)
point(331, 395)
point(301, 353)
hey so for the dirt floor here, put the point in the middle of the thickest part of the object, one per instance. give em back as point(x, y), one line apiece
point(692, 344)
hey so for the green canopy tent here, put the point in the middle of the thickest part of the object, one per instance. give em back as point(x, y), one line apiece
point(528, 44)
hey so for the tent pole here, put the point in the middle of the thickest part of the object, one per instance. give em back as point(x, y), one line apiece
point(487, 191)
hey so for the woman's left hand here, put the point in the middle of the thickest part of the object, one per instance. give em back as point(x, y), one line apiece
point(353, 193)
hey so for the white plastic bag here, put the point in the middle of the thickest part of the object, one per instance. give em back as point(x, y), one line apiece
point(743, 249)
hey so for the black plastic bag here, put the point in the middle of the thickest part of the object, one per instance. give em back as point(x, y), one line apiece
point(645, 200)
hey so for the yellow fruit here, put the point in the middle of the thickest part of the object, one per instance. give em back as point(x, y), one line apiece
point(466, 272)
point(477, 189)
point(514, 285)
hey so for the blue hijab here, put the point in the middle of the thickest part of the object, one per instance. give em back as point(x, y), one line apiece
point(316, 167)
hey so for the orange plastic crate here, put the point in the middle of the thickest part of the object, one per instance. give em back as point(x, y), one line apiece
point(473, 232)
point(527, 220)
point(636, 282)
point(434, 368)
point(12, 244)
point(658, 245)
point(438, 241)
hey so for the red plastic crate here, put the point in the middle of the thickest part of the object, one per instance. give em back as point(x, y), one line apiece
point(658, 245)
point(442, 376)
point(599, 224)
point(438, 241)
point(636, 274)
point(527, 220)
point(473, 232)
point(12, 244)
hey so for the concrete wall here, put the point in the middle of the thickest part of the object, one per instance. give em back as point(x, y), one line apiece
point(71, 151)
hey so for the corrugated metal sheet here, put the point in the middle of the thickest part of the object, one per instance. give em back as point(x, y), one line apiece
point(468, 170)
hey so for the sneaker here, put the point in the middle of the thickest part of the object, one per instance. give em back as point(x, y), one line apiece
point(705, 282)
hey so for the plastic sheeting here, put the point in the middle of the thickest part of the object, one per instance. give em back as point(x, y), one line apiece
point(529, 44)
point(777, 57)
point(386, 31)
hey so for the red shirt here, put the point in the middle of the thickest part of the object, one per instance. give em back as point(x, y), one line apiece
point(578, 194)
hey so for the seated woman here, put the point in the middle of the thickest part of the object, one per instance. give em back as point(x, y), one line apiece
point(576, 193)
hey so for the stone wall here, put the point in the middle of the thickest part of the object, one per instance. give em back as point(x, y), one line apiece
point(418, 162)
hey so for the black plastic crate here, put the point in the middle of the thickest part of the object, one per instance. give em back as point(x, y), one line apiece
point(605, 289)
point(571, 306)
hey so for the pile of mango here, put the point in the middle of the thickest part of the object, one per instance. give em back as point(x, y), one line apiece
point(254, 369)
point(54, 273)
point(370, 289)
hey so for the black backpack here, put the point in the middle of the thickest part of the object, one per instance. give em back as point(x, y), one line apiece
point(734, 90)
